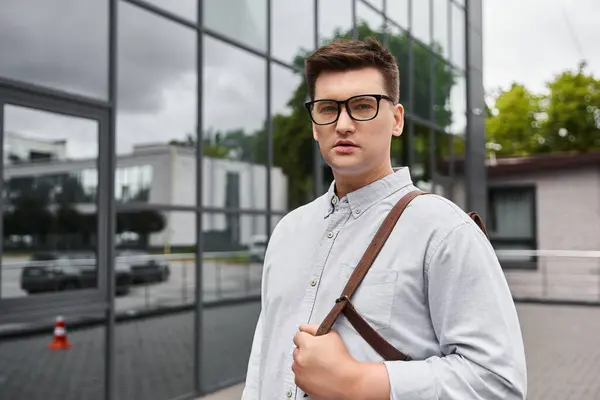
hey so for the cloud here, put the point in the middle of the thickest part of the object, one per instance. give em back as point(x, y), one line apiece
point(530, 42)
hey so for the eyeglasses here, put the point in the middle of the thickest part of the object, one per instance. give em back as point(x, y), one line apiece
point(363, 107)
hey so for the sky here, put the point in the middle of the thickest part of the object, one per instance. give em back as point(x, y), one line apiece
point(527, 41)
point(532, 41)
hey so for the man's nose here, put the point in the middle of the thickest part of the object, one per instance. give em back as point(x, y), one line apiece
point(345, 124)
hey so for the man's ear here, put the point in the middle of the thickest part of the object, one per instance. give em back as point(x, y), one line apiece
point(398, 120)
point(315, 135)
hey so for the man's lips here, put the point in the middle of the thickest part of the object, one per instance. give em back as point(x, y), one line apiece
point(345, 143)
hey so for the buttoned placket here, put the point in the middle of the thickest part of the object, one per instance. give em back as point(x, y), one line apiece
point(340, 213)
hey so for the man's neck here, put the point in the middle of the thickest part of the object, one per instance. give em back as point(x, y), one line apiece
point(345, 184)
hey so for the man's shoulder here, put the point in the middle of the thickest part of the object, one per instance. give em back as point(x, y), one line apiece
point(438, 213)
point(302, 215)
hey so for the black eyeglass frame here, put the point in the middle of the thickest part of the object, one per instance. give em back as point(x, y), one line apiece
point(378, 97)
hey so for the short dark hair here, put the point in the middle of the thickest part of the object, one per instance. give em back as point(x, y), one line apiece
point(349, 54)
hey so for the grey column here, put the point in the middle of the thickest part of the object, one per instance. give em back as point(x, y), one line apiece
point(475, 171)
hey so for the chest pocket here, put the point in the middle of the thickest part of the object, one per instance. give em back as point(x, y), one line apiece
point(374, 298)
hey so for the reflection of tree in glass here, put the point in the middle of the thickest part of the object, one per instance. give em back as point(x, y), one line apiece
point(142, 223)
point(45, 209)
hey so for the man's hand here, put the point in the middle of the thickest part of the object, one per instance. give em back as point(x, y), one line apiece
point(323, 366)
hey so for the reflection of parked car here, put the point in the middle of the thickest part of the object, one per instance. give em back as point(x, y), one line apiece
point(258, 247)
point(55, 271)
point(144, 267)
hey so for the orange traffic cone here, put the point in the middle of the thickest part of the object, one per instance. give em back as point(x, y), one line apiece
point(59, 341)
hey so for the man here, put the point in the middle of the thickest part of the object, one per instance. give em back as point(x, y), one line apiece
point(436, 290)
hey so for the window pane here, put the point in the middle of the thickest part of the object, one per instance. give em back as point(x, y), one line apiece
point(30, 370)
point(50, 184)
point(369, 22)
point(240, 20)
point(440, 28)
point(422, 83)
point(234, 249)
point(397, 11)
point(459, 38)
point(447, 86)
point(293, 144)
point(187, 9)
point(443, 183)
point(458, 104)
point(398, 43)
point(293, 29)
point(156, 120)
point(512, 214)
point(335, 19)
point(154, 357)
point(375, 3)
point(228, 330)
point(234, 132)
point(71, 55)
point(460, 188)
point(420, 20)
point(421, 168)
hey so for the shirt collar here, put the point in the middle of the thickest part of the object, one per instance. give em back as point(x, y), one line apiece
point(364, 198)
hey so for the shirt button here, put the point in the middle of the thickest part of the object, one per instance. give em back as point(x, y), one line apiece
point(357, 211)
point(289, 393)
point(329, 235)
point(333, 201)
point(313, 282)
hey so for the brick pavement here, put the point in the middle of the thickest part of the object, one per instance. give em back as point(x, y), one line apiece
point(562, 345)
point(154, 356)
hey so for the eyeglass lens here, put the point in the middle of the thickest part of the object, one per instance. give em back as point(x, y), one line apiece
point(359, 108)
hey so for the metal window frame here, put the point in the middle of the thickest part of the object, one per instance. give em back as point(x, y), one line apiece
point(28, 308)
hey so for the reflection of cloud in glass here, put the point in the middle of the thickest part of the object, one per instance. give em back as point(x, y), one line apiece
point(80, 135)
point(156, 79)
point(286, 82)
point(187, 9)
point(292, 29)
point(234, 88)
point(62, 44)
point(333, 15)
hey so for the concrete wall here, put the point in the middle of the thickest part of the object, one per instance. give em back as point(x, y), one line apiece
point(568, 218)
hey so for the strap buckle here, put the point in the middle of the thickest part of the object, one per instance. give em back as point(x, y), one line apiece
point(342, 298)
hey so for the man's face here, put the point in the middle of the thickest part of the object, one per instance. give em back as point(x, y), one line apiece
point(353, 147)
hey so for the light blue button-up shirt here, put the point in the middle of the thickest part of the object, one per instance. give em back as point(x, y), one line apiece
point(436, 292)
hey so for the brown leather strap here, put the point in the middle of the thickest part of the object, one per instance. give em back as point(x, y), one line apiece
point(477, 218)
point(371, 336)
point(343, 304)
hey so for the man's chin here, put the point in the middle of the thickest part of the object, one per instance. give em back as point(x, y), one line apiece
point(347, 166)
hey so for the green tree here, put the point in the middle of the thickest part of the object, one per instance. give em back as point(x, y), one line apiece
point(513, 122)
point(566, 118)
point(572, 112)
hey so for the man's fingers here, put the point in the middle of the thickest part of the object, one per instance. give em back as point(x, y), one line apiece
point(311, 329)
point(300, 338)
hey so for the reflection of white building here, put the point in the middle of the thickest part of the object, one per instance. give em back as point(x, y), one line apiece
point(166, 175)
point(22, 148)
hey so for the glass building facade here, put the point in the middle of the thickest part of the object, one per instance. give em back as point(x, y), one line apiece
point(149, 147)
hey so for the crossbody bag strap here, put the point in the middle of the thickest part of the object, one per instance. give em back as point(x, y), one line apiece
point(363, 266)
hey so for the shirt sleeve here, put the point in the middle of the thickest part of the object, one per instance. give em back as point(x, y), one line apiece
point(251, 388)
point(475, 320)
point(253, 373)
